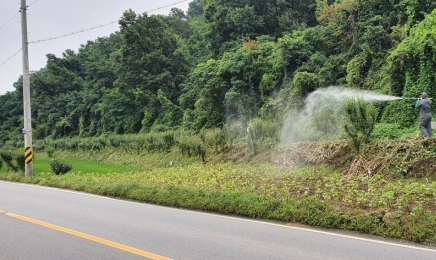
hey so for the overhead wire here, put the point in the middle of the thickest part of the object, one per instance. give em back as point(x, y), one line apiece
point(15, 54)
point(83, 30)
point(9, 20)
point(101, 25)
point(16, 15)
point(32, 3)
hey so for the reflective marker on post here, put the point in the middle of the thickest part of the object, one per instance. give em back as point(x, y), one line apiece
point(28, 156)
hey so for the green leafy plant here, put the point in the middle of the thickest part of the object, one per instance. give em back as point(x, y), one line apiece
point(265, 130)
point(192, 146)
point(9, 157)
point(50, 151)
point(215, 138)
point(325, 122)
point(19, 161)
point(386, 131)
point(360, 121)
point(60, 167)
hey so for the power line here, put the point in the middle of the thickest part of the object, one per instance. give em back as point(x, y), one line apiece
point(82, 30)
point(32, 3)
point(10, 20)
point(15, 15)
point(99, 26)
point(71, 33)
point(15, 54)
point(164, 6)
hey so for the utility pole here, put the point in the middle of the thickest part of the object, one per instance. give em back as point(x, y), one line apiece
point(27, 130)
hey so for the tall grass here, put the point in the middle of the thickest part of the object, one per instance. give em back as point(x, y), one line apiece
point(186, 142)
point(192, 144)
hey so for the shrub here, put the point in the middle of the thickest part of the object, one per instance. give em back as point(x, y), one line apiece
point(265, 130)
point(152, 142)
point(137, 143)
point(13, 159)
point(360, 121)
point(235, 131)
point(40, 145)
point(305, 82)
point(168, 140)
point(50, 151)
point(60, 167)
point(192, 146)
point(8, 157)
point(115, 141)
point(19, 160)
point(214, 138)
point(96, 147)
point(73, 143)
point(386, 131)
point(94, 144)
point(85, 145)
point(327, 120)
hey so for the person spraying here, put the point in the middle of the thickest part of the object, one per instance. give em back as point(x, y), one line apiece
point(424, 105)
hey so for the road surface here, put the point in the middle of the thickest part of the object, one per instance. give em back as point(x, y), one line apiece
point(45, 223)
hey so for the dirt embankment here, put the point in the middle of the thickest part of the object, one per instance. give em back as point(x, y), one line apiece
point(413, 157)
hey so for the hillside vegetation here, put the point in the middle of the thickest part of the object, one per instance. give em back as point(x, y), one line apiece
point(229, 64)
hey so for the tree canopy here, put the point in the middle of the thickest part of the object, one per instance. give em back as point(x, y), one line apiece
point(229, 61)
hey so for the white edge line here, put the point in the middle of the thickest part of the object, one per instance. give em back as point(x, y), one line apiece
point(227, 217)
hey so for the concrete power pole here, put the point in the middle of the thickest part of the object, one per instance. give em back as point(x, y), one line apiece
point(27, 131)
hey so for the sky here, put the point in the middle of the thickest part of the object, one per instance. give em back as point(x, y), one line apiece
point(51, 18)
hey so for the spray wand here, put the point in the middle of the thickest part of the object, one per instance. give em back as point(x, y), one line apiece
point(415, 98)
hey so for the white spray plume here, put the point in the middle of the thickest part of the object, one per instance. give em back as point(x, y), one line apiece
point(322, 114)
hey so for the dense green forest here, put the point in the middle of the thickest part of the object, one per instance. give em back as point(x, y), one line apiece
point(228, 64)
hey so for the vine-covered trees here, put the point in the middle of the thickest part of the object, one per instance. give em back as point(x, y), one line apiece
point(229, 62)
point(153, 58)
point(230, 20)
point(411, 68)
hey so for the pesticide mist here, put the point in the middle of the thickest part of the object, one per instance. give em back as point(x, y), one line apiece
point(323, 113)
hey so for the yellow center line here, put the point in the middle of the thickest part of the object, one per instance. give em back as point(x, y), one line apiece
point(88, 237)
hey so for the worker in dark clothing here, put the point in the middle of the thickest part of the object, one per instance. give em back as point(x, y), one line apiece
point(424, 105)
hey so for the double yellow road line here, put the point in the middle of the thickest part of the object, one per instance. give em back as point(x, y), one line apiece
point(88, 237)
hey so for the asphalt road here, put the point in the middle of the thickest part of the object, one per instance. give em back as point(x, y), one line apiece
point(46, 223)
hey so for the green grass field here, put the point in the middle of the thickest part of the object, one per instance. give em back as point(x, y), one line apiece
point(42, 165)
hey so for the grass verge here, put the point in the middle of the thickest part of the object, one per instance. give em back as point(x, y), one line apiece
point(315, 196)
